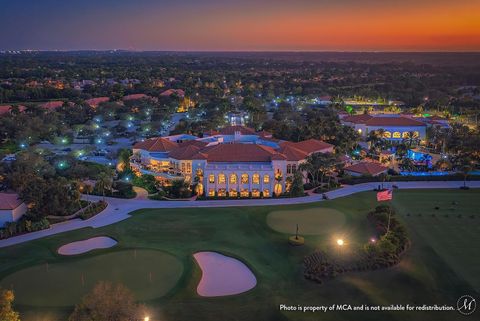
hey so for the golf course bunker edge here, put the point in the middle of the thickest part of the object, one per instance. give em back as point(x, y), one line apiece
point(223, 275)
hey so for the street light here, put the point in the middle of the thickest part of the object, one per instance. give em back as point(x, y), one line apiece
point(340, 242)
point(146, 319)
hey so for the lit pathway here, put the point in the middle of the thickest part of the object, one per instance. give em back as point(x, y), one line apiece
point(118, 209)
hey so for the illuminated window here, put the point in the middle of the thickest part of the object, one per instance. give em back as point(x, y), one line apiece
point(255, 192)
point(233, 193)
point(244, 178)
point(211, 178)
point(266, 179)
point(396, 135)
point(233, 179)
point(189, 168)
point(222, 192)
point(405, 135)
point(211, 192)
point(387, 134)
point(244, 192)
point(183, 167)
point(199, 172)
point(221, 179)
point(256, 178)
point(266, 193)
point(416, 134)
point(278, 189)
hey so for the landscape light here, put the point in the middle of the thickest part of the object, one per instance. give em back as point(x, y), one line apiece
point(373, 240)
point(146, 319)
point(340, 242)
point(64, 141)
point(23, 145)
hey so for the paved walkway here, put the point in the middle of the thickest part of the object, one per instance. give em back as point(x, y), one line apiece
point(119, 209)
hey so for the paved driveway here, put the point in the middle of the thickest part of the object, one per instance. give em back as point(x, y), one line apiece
point(119, 209)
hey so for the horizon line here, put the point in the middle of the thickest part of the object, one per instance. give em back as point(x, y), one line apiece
point(242, 51)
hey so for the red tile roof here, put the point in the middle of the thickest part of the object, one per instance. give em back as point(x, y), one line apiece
point(367, 168)
point(135, 97)
point(292, 153)
point(239, 153)
point(9, 201)
point(94, 102)
point(184, 153)
point(169, 92)
point(51, 105)
point(157, 144)
point(394, 121)
point(310, 146)
point(357, 119)
point(230, 130)
point(5, 109)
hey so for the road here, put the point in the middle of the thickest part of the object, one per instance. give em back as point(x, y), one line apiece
point(119, 209)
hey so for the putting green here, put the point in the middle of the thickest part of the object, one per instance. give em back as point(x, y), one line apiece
point(312, 221)
point(148, 273)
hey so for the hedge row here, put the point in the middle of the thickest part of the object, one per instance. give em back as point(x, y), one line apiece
point(23, 226)
point(370, 179)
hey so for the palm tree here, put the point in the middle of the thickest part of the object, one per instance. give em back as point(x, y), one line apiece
point(464, 165)
point(104, 182)
point(410, 139)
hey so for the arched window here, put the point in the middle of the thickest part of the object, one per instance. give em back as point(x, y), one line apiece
point(396, 135)
point(221, 179)
point(233, 178)
point(211, 192)
point(256, 178)
point(405, 134)
point(244, 178)
point(244, 192)
point(416, 134)
point(222, 192)
point(211, 178)
point(266, 193)
point(255, 192)
point(233, 193)
point(266, 179)
point(387, 134)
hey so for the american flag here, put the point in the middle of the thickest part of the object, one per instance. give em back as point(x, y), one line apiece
point(385, 195)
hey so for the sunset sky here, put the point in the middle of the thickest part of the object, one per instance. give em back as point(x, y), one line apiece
point(261, 25)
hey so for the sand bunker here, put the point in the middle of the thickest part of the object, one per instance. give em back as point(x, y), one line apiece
point(223, 275)
point(74, 248)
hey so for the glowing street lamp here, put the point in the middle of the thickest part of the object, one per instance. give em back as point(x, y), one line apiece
point(340, 242)
point(146, 319)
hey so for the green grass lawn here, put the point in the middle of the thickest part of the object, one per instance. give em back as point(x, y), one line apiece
point(431, 272)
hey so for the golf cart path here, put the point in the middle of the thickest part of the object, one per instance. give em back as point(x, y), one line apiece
point(118, 209)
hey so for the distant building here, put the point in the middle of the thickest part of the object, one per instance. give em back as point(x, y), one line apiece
point(169, 92)
point(94, 102)
point(395, 127)
point(11, 208)
point(236, 161)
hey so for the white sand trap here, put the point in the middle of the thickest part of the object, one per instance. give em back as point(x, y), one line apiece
point(223, 275)
point(74, 248)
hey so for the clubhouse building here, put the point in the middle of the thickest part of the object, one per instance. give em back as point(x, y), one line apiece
point(234, 161)
point(395, 127)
